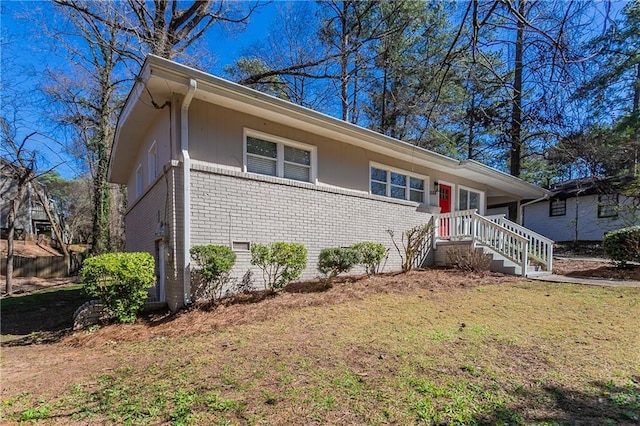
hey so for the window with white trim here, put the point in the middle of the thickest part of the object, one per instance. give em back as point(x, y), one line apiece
point(276, 157)
point(395, 184)
point(469, 199)
point(139, 181)
point(152, 158)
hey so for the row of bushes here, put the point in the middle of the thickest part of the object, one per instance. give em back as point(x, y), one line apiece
point(336, 260)
point(121, 280)
point(282, 262)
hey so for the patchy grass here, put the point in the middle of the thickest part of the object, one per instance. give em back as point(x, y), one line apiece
point(40, 316)
point(521, 353)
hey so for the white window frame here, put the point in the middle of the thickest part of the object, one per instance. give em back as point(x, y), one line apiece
point(152, 159)
point(409, 175)
point(469, 189)
point(139, 180)
point(280, 144)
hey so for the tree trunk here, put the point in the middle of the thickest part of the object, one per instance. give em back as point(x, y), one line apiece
point(56, 230)
point(636, 118)
point(516, 103)
point(11, 222)
point(344, 64)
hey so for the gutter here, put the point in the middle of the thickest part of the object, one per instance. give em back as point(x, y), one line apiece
point(186, 189)
point(522, 206)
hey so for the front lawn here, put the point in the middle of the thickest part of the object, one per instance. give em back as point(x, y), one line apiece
point(386, 350)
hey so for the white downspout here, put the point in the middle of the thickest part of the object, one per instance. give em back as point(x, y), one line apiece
point(186, 189)
point(522, 206)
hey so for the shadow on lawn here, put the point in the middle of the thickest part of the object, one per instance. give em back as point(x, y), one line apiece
point(41, 317)
point(607, 405)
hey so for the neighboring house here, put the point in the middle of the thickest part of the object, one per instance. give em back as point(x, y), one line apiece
point(583, 210)
point(31, 220)
point(208, 161)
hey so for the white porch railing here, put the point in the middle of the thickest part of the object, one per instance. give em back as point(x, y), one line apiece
point(540, 247)
point(506, 238)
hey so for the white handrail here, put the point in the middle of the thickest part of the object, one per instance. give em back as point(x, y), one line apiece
point(468, 224)
point(540, 247)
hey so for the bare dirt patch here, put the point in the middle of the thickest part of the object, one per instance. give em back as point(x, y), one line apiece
point(25, 285)
point(604, 269)
point(29, 249)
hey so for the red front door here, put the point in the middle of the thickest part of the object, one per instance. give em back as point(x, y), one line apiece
point(445, 198)
point(445, 207)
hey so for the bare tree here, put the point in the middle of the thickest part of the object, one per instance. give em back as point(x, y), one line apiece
point(19, 166)
point(112, 36)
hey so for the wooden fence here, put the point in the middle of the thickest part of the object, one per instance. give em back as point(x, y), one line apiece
point(41, 267)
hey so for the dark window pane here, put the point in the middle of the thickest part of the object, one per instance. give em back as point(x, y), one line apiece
point(398, 192)
point(416, 184)
point(378, 188)
point(260, 147)
point(297, 155)
point(416, 196)
point(608, 205)
point(398, 179)
point(474, 200)
point(463, 201)
point(558, 208)
point(379, 175)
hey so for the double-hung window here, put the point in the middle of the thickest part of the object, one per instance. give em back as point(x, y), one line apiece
point(276, 157)
point(396, 184)
point(469, 199)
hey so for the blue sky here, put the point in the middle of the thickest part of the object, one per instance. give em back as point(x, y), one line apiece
point(25, 58)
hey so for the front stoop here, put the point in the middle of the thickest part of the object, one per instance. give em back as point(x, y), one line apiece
point(498, 263)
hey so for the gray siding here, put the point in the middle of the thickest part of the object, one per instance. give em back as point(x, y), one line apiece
point(581, 220)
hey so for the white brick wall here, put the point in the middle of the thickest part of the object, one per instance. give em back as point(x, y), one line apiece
point(230, 206)
point(142, 222)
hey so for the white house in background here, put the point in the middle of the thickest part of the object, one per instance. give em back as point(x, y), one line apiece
point(583, 210)
point(208, 161)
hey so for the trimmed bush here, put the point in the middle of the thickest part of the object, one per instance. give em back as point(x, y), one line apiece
point(370, 255)
point(334, 261)
point(280, 262)
point(213, 264)
point(622, 245)
point(120, 281)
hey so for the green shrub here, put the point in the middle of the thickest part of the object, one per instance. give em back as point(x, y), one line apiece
point(333, 261)
point(212, 266)
point(622, 245)
point(280, 262)
point(370, 255)
point(120, 280)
